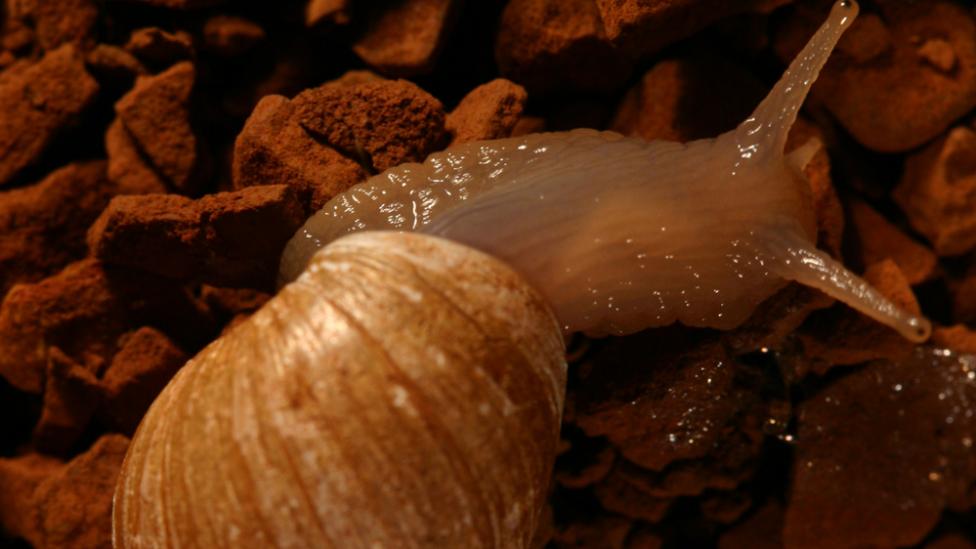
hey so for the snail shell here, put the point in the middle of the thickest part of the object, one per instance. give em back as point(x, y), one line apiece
point(303, 427)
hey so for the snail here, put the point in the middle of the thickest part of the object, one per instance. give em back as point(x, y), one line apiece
point(405, 387)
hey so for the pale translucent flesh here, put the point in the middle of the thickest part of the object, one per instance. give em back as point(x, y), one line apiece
point(620, 234)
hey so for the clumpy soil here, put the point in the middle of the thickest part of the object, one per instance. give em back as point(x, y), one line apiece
point(156, 155)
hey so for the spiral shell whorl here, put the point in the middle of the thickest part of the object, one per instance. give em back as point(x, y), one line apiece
point(405, 391)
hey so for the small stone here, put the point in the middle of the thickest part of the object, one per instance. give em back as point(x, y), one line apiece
point(158, 48)
point(938, 53)
point(74, 505)
point(38, 103)
point(641, 27)
point(618, 495)
point(229, 238)
point(156, 115)
point(885, 445)
point(70, 397)
point(959, 338)
point(490, 111)
point(114, 65)
point(42, 226)
point(145, 363)
point(404, 38)
point(558, 45)
point(230, 36)
point(327, 11)
point(82, 311)
point(58, 22)
point(384, 123)
point(20, 476)
point(672, 404)
point(273, 147)
point(127, 166)
point(876, 239)
point(938, 192)
point(675, 100)
point(866, 40)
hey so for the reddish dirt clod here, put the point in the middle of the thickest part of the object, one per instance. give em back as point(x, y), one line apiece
point(230, 238)
point(274, 148)
point(381, 123)
point(938, 192)
point(876, 239)
point(490, 111)
point(42, 226)
point(71, 394)
point(231, 36)
point(144, 364)
point(38, 102)
point(159, 48)
point(404, 39)
point(156, 117)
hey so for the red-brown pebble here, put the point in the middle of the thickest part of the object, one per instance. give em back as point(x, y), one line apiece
point(556, 45)
point(673, 404)
point(842, 336)
point(639, 27)
point(232, 238)
point(156, 115)
point(675, 100)
point(938, 192)
point(489, 111)
point(114, 65)
point(231, 302)
point(38, 102)
point(887, 446)
point(159, 48)
point(274, 148)
point(958, 338)
point(618, 493)
point(876, 239)
point(386, 123)
point(82, 311)
point(71, 394)
point(19, 478)
point(404, 38)
point(42, 227)
point(58, 22)
point(127, 166)
point(74, 505)
point(145, 363)
point(229, 36)
point(887, 96)
point(331, 11)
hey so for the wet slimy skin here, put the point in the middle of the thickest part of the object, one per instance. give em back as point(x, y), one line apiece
point(620, 234)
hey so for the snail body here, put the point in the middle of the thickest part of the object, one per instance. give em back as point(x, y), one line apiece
point(406, 390)
point(620, 234)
